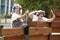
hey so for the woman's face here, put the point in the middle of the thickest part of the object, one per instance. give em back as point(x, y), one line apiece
point(17, 9)
point(41, 15)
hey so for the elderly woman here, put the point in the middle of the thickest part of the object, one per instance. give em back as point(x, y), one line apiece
point(17, 19)
point(39, 16)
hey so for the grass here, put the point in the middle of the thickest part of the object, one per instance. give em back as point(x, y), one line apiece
point(4, 23)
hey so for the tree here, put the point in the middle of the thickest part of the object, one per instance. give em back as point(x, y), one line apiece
point(39, 4)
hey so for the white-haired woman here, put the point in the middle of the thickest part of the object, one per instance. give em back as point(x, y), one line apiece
point(40, 16)
point(17, 19)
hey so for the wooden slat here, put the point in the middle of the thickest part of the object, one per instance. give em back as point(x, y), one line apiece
point(40, 24)
point(55, 37)
point(55, 33)
point(55, 24)
point(57, 12)
point(12, 32)
point(57, 19)
point(15, 38)
point(39, 30)
point(55, 29)
point(39, 37)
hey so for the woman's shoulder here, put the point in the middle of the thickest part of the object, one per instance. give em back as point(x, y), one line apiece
point(45, 18)
point(14, 14)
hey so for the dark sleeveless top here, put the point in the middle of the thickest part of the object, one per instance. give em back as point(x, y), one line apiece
point(17, 23)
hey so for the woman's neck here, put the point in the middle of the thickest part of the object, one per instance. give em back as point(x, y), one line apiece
point(17, 12)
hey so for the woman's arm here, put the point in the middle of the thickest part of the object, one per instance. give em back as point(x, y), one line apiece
point(53, 17)
point(22, 16)
point(32, 13)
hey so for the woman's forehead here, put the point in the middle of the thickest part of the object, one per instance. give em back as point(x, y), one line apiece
point(17, 7)
point(41, 13)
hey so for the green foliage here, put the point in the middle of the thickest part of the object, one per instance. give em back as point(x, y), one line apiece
point(39, 4)
point(7, 15)
point(1, 17)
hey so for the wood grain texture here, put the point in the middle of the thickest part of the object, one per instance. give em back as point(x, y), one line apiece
point(12, 32)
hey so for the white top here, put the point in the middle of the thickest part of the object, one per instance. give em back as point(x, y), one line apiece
point(15, 16)
point(43, 19)
point(35, 18)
